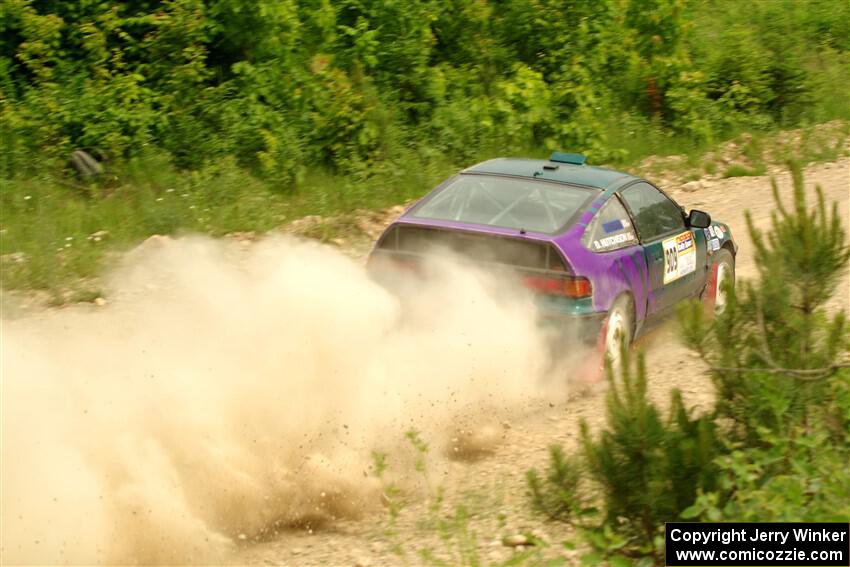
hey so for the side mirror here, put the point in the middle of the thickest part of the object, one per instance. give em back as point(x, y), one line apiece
point(699, 219)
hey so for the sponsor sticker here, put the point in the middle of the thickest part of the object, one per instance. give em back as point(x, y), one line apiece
point(719, 231)
point(715, 244)
point(613, 226)
point(680, 256)
point(707, 233)
point(711, 231)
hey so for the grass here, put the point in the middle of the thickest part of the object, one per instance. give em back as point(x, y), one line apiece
point(743, 171)
point(55, 236)
point(86, 295)
point(52, 235)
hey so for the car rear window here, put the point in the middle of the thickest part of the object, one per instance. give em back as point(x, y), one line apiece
point(505, 202)
point(477, 247)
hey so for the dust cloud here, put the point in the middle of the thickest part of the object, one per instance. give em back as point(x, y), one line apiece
point(225, 392)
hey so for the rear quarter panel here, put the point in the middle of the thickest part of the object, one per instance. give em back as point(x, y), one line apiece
point(610, 273)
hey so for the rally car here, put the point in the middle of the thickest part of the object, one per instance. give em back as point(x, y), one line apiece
point(606, 252)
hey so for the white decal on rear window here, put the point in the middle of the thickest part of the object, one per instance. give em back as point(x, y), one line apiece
point(610, 241)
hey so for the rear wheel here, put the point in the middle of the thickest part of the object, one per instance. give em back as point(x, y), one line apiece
point(618, 332)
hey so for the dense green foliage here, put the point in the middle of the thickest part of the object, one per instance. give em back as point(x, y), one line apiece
point(285, 87)
point(776, 443)
point(220, 116)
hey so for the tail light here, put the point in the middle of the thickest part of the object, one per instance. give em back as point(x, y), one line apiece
point(405, 263)
point(576, 287)
point(380, 262)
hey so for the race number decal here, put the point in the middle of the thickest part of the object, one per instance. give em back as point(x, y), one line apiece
point(680, 256)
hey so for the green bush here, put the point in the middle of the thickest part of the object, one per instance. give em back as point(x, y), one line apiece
point(557, 495)
point(798, 479)
point(779, 362)
point(285, 87)
point(646, 468)
point(742, 171)
point(776, 349)
point(315, 108)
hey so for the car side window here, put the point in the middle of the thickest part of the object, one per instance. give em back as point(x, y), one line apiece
point(653, 212)
point(610, 229)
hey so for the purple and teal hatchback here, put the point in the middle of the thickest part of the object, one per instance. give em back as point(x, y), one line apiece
point(605, 251)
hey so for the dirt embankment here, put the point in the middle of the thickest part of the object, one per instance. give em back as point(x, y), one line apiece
point(229, 390)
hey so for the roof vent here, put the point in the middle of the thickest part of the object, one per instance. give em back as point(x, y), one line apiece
point(562, 157)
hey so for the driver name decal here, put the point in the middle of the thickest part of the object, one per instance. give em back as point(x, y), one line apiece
point(680, 256)
point(611, 241)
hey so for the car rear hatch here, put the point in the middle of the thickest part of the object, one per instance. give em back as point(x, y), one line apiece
point(536, 263)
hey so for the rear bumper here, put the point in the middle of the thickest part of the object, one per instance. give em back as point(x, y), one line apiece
point(568, 320)
point(564, 329)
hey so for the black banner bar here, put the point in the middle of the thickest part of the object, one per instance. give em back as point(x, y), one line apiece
point(762, 544)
